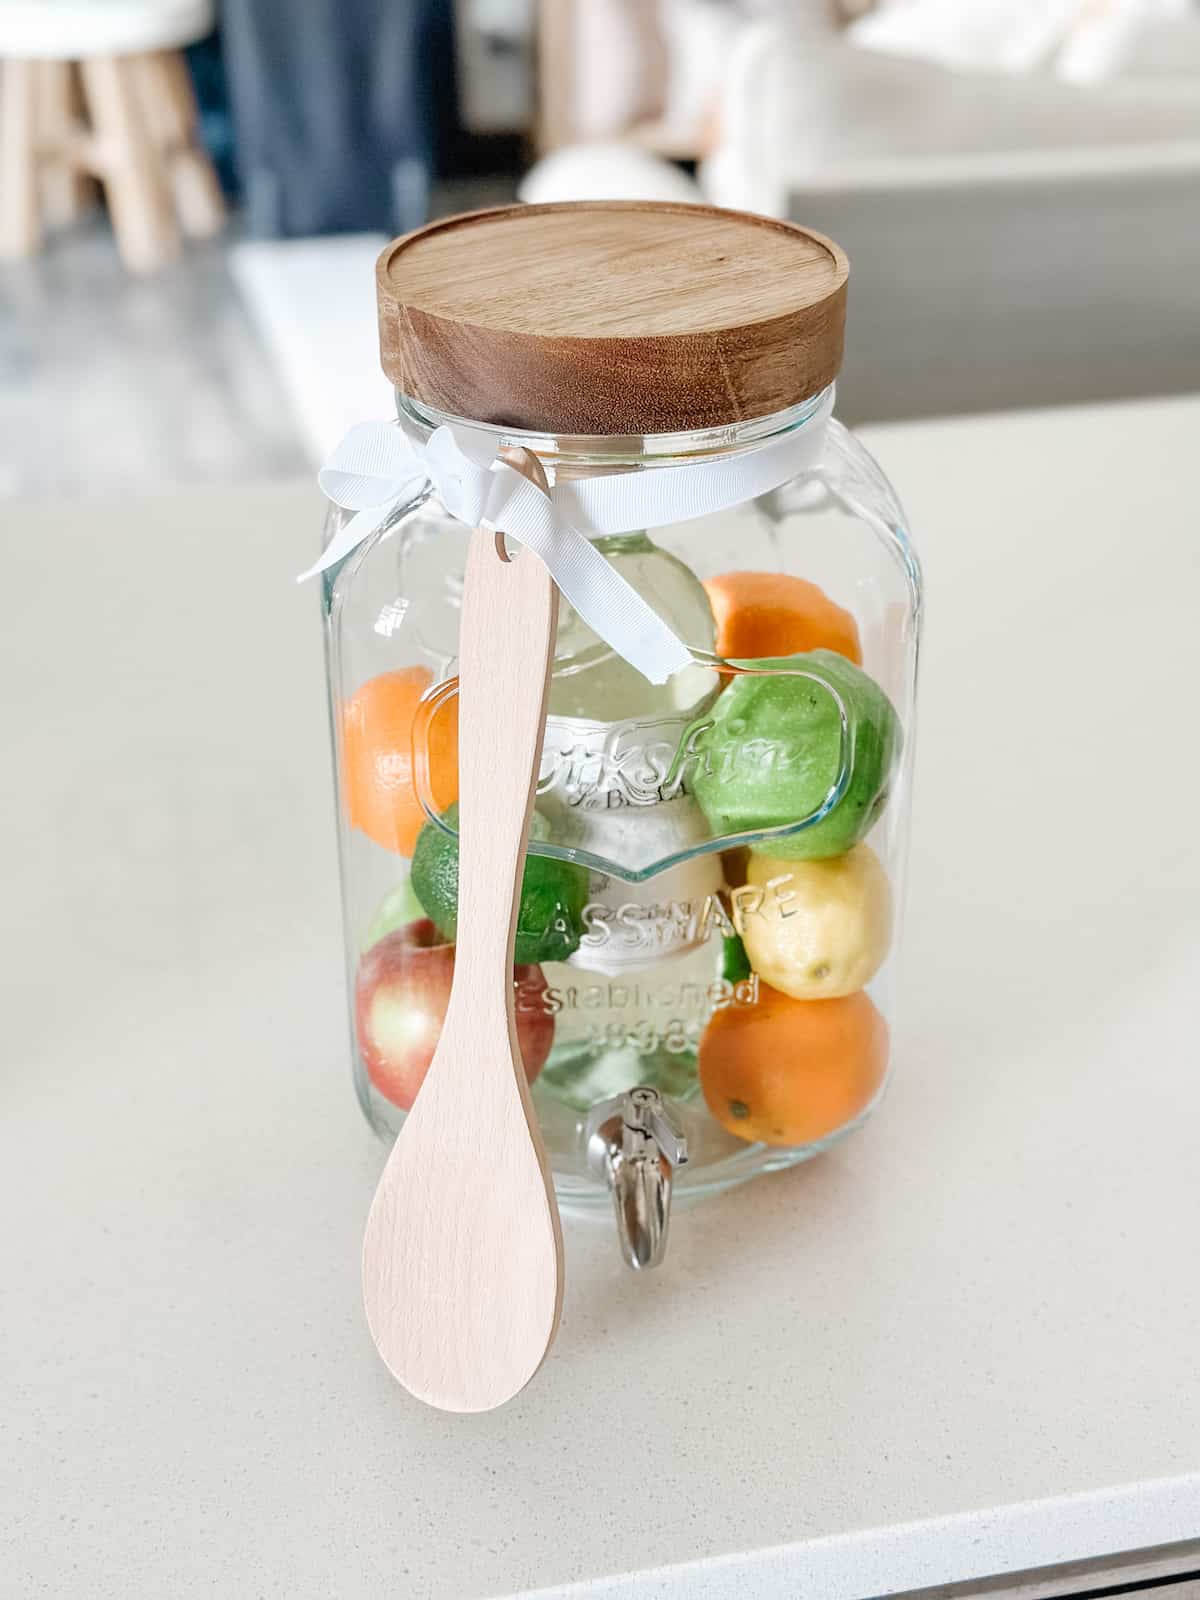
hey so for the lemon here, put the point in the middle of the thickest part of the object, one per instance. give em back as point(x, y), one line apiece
point(815, 929)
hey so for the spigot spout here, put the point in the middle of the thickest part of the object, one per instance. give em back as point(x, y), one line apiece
point(636, 1144)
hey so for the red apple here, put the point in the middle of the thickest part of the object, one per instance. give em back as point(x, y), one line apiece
point(400, 999)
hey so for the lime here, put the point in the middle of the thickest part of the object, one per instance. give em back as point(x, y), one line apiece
point(735, 963)
point(553, 894)
point(770, 753)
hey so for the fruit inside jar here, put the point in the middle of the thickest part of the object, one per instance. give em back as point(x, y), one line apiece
point(726, 960)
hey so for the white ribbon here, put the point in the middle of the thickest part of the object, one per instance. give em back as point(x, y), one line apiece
point(377, 468)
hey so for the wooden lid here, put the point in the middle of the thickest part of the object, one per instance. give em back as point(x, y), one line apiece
point(611, 317)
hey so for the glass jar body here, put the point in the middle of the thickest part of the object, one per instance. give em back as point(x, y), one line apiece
point(713, 886)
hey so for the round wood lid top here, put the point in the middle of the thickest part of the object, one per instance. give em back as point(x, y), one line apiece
point(611, 317)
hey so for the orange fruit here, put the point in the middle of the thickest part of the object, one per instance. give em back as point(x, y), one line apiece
point(772, 614)
point(377, 757)
point(790, 1071)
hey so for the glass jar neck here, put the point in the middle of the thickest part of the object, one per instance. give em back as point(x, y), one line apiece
point(576, 455)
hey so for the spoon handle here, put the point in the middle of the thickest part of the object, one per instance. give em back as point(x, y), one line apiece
point(509, 612)
point(462, 1259)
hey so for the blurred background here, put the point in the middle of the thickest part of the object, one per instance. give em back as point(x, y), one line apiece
point(193, 192)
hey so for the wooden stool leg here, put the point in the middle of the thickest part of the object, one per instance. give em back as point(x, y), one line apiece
point(66, 191)
point(20, 232)
point(169, 106)
point(130, 168)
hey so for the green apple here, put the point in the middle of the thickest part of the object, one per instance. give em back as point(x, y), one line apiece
point(770, 752)
point(398, 907)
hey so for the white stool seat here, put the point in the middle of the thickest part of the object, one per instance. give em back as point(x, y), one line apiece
point(72, 30)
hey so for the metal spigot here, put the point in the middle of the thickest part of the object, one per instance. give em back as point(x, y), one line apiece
point(634, 1142)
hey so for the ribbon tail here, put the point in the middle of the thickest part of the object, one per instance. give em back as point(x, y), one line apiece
point(360, 528)
point(613, 608)
point(609, 605)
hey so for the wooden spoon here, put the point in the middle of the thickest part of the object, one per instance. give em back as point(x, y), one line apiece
point(462, 1259)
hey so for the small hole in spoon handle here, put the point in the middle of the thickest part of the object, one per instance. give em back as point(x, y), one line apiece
point(527, 464)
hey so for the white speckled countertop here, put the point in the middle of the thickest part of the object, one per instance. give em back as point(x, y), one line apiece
point(963, 1343)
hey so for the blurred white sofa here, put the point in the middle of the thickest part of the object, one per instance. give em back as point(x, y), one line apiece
point(1013, 241)
point(648, 71)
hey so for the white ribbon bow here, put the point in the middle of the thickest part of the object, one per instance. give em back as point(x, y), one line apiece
point(377, 468)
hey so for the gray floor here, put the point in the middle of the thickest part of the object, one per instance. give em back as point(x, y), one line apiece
point(110, 382)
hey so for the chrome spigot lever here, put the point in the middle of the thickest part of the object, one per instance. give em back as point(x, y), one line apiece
point(634, 1142)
